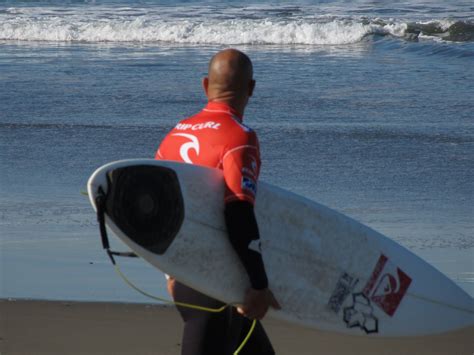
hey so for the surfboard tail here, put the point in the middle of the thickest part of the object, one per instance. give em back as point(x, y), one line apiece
point(146, 203)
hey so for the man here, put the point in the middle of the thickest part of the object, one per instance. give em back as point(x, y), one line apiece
point(217, 138)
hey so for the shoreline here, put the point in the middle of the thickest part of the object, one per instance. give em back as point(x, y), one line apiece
point(77, 327)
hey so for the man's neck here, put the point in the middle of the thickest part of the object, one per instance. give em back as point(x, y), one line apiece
point(236, 100)
point(235, 105)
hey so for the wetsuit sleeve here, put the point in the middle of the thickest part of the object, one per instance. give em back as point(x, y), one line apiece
point(241, 166)
point(244, 236)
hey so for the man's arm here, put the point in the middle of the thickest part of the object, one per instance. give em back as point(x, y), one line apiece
point(241, 169)
point(243, 229)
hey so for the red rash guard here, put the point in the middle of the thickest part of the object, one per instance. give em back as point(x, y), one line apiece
point(217, 138)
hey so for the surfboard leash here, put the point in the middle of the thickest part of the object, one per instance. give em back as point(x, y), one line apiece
point(100, 204)
point(181, 304)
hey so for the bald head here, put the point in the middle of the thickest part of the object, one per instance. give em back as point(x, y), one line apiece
point(230, 78)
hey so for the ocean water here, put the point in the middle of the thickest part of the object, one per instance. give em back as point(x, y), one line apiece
point(364, 106)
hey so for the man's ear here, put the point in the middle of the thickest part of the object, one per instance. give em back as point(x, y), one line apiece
point(205, 85)
point(251, 87)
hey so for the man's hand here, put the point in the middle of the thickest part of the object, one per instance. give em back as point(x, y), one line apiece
point(170, 284)
point(257, 302)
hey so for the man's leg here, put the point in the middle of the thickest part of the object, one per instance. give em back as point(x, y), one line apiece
point(208, 333)
point(258, 343)
point(204, 332)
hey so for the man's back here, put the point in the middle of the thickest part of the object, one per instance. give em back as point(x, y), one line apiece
point(216, 138)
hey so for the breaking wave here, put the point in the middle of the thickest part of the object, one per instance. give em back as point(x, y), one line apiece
point(227, 28)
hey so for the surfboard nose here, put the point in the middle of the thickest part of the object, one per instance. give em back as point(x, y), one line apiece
point(146, 203)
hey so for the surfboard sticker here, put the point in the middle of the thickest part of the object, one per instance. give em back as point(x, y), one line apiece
point(361, 314)
point(387, 285)
point(345, 285)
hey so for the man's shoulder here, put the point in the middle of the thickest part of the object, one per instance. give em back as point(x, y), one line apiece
point(245, 142)
point(241, 134)
point(242, 126)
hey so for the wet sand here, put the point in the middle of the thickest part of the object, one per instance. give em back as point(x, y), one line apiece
point(55, 327)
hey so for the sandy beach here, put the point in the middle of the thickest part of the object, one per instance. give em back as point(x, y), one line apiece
point(55, 327)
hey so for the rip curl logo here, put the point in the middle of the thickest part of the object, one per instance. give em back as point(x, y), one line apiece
point(192, 144)
point(387, 286)
point(198, 126)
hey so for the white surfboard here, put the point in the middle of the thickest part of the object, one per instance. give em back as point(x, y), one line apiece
point(326, 270)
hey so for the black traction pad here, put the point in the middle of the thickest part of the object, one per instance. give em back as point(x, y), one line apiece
point(146, 203)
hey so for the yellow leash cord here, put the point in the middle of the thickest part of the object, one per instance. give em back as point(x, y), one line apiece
point(187, 305)
point(252, 327)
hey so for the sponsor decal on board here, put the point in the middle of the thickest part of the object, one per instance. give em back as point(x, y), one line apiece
point(361, 314)
point(343, 289)
point(387, 285)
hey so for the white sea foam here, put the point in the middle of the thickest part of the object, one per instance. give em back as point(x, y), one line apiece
point(139, 25)
point(280, 25)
